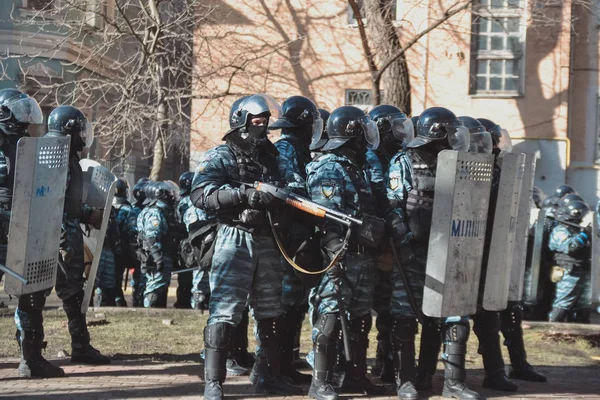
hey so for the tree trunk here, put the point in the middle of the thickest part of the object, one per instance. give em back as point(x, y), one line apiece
point(159, 156)
point(396, 81)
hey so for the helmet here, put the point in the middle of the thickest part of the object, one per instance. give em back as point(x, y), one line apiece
point(550, 201)
point(17, 111)
point(349, 122)
point(317, 141)
point(68, 120)
point(159, 191)
point(537, 196)
point(297, 112)
point(139, 192)
point(437, 123)
point(500, 137)
point(122, 188)
point(563, 202)
point(243, 109)
point(575, 211)
point(185, 183)
point(480, 139)
point(414, 119)
point(563, 190)
point(390, 119)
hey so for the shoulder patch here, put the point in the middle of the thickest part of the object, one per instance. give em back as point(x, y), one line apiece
point(328, 188)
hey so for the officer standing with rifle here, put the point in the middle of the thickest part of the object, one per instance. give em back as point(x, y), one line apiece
point(299, 122)
point(437, 129)
point(138, 279)
point(336, 180)
point(245, 264)
point(125, 261)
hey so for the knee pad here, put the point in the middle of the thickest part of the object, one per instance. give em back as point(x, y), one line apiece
point(362, 325)
point(431, 331)
point(404, 329)
point(217, 336)
point(486, 321)
point(32, 302)
point(327, 329)
point(457, 333)
point(384, 321)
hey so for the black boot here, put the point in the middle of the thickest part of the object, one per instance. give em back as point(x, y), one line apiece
point(403, 342)
point(216, 349)
point(356, 380)
point(156, 299)
point(239, 361)
point(431, 343)
point(81, 349)
point(33, 364)
point(556, 315)
point(486, 325)
point(384, 359)
point(510, 324)
point(292, 323)
point(583, 315)
point(267, 367)
point(184, 291)
point(455, 349)
point(325, 352)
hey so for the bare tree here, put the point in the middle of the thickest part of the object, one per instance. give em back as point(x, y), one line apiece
point(133, 70)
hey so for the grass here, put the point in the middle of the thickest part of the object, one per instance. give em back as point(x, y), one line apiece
point(141, 334)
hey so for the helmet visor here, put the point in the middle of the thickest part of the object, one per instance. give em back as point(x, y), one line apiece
point(318, 135)
point(371, 132)
point(87, 134)
point(26, 110)
point(481, 142)
point(258, 104)
point(505, 144)
point(458, 138)
point(317, 125)
point(402, 127)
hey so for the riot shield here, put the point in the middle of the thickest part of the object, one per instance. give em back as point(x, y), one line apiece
point(98, 191)
point(519, 255)
point(596, 263)
point(38, 199)
point(462, 190)
point(497, 277)
point(531, 291)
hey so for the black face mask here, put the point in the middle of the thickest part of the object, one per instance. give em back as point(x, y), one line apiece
point(256, 132)
point(77, 144)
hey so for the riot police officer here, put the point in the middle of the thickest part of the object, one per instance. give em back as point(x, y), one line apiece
point(245, 264)
point(563, 190)
point(111, 256)
point(486, 324)
point(437, 129)
point(395, 130)
point(572, 246)
point(68, 120)
point(123, 209)
point(299, 121)
point(337, 180)
point(138, 280)
point(156, 237)
point(17, 112)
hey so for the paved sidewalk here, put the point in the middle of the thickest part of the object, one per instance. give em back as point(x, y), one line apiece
point(148, 380)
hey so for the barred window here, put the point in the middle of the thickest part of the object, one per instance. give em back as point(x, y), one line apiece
point(498, 48)
point(358, 97)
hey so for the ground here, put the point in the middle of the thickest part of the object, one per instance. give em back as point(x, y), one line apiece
point(156, 355)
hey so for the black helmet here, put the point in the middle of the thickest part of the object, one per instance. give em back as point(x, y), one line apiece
point(243, 109)
point(415, 120)
point(317, 141)
point(68, 120)
point(391, 120)
point(17, 111)
point(159, 191)
point(234, 108)
point(500, 136)
point(480, 140)
point(349, 122)
point(563, 190)
point(437, 123)
point(550, 201)
point(121, 188)
point(139, 190)
point(185, 183)
point(538, 197)
point(575, 211)
point(564, 201)
point(297, 112)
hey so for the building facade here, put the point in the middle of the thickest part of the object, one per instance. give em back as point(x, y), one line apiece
point(531, 66)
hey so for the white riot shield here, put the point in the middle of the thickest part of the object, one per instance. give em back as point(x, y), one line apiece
point(497, 277)
point(462, 190)
point(531, 291)
point(519, 255)
point(98, 191)
point(41, 169)
point(596, 263)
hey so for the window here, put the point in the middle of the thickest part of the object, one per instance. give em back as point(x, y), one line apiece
point(361, 5)
point(498, 41)
point(39, 5)
point(360, 98)
point(97, 11)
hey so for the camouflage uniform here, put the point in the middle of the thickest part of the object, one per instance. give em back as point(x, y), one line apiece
point(572, 253)
point(127, 259)
point(138, 280)
point(106, 277)
point(184, 281)
point(155, 235)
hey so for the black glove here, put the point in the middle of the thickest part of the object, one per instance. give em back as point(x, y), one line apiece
point(371, 231)
point(331, 242)
point(158, 258)
point(259, 200)
point(397, 228)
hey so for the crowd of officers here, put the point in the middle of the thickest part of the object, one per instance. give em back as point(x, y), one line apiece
point(378, 167)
